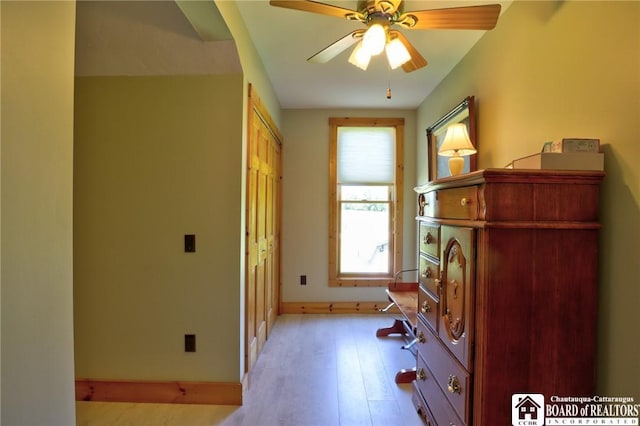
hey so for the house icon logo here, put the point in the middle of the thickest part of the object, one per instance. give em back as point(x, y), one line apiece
point(527, 409)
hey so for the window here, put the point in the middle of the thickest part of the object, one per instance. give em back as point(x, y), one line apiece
point(365, 206)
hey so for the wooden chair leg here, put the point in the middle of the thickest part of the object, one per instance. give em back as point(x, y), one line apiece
point(396, 328)
point(406, 376)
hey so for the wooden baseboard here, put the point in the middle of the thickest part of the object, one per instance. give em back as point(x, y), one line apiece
point(159, 392)
point(332, 307)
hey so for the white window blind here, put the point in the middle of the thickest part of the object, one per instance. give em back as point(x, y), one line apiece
point(366, 155)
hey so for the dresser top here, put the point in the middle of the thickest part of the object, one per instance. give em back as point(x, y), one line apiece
point(487, 176)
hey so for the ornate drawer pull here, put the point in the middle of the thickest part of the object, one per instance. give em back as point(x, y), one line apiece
point(423, 415)
point(428, 239)
point(421, 337)
point(427, 273)
point(426, 308)
point(420, 374)
point(465, 201)
point(453, 385)
point(422, 202)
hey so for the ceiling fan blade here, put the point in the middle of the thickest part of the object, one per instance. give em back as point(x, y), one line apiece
point(337, 47)
point(417, 61)
point(317, 7)
point(456, 18)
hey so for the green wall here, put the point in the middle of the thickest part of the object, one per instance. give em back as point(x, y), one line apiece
point(157, 158)
point(567, 69)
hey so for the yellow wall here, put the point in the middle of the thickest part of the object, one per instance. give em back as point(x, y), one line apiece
point(157, 158)
point(567, 69)
point(200, 293)
point(36, 176)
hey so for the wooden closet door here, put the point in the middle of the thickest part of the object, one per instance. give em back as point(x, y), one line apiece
point(262, 230)
point(263, 227)
point(251, 335)
point(272, 235)
point(258, 206)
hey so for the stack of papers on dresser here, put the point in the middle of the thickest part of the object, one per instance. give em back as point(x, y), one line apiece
point(561, 161)
point(583, 145)
point(565, 154)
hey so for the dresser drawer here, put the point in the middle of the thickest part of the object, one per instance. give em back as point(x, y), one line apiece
point(425, 336)
point(438, 405)
point(429, 275)
point(426, 203)
point(428, 309)
point(453, 380)
point(457, 203)
point(430, 239)
point(421, 406)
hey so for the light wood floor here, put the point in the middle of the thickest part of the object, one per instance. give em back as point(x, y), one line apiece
point(320, 370)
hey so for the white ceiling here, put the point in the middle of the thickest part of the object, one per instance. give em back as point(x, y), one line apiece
point(171, 37)
point(286, 38)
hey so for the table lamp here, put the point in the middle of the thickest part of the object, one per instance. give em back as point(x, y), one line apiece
point(456, 145)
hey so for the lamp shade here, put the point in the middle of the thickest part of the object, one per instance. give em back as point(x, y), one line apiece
point(456, 142)
point(359, 57)
point(397, 53)
point(374, 39)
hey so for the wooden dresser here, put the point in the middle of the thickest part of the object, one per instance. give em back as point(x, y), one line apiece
point(507, 299)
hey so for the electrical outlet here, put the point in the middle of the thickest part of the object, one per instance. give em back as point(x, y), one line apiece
point(189, 243)
point(303, 280)
point(189, 342)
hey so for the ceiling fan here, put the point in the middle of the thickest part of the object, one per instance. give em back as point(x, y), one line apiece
point(379, 16)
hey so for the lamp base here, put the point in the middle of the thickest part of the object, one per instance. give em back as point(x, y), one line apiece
point(456, 165)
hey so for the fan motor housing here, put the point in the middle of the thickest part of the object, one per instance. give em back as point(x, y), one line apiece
point(374, 7)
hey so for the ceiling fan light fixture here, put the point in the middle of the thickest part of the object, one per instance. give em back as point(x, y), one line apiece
point(379, 16)
point(374, 39)
point(360, 57)
point(397, 53)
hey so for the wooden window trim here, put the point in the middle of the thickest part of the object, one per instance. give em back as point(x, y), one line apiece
point(397, 202)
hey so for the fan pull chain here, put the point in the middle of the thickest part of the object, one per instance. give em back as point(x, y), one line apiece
point(389, 82)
